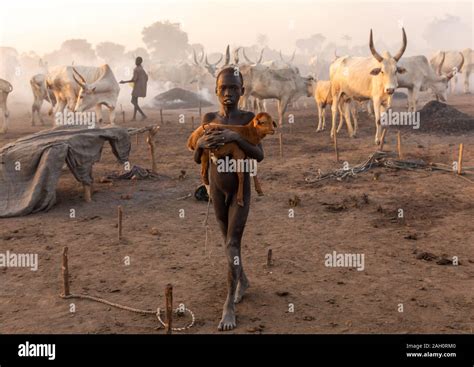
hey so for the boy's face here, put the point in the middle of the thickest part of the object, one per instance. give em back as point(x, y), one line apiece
point(229, 89)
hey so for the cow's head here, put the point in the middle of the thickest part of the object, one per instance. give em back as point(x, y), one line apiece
point(309, 83)
point(87, 97)
point(440, 86)
point(387, 68)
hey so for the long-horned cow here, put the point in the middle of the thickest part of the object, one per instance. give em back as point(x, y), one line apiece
point(366, 78)
point(83, 87)
point(419, 76)
point(285, 85)
point(449, 61)
point(5, 89)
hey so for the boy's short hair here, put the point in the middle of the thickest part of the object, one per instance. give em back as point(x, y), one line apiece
point(231, 70)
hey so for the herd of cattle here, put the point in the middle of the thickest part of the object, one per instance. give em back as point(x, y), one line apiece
point(352, 80)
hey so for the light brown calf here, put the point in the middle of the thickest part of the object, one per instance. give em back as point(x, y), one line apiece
point(260, 126)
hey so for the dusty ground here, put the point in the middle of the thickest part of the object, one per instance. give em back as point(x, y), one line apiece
point(332, 216)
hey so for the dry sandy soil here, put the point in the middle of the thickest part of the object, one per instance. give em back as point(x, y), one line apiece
point(354, 216)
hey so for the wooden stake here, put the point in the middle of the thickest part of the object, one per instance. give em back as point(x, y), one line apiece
point(119, 219)
point(152, 145)
point(280, 137)
point(461, 148)
point(269, 258)
point(200, 111)
point(161, 116)
point(384, 131)
point(399, 145)
point(65, 272)
point(169, 308)
point(335, 147)
point(137, 138)
point(192, 123)
point(123, 114)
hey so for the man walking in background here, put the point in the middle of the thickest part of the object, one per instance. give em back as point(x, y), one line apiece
point(139, 80)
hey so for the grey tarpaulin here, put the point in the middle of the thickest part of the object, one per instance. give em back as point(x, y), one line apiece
point(30, 167)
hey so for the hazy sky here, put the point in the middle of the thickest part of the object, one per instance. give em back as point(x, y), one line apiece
point(43, 25)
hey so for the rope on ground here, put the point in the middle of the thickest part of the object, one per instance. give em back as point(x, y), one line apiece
point(135, 310)
point(381, 159)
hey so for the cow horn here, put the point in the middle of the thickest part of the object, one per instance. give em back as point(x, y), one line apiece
point(246, 57)
point(399, 55)
point(79, 75)
point(194, 57)
point(440, 66)
point(372, 48)
point(227, 56)
point(261, 56)
point(202, 56)
point(452, 73)
point(236, 55)
point(214, 64)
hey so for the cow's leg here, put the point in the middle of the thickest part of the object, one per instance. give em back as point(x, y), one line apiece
point(112, 114)
point(454, 81)
point(467, 74)
point(59, 109)
point(414, 98)
point(347, 115)
point(334, 109)
point(282, 105)
point(377, 105)
point(353, 111)
point(98, 113)
point(341, 115)
point(410, 98)
point(320, 116)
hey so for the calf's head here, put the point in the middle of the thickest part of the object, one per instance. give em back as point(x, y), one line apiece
point(264, 124)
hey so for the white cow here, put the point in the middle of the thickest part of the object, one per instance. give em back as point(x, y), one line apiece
point(450, 61)
point(285, 85)
point(419, 76)
point(5, 89)
point(366, 78)
point(80, 88)
point(40, 93)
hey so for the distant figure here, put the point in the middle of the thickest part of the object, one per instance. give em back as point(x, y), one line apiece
point(139, 80)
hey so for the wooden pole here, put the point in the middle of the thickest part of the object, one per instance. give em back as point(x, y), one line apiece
point(384, 131)
point(269, 257)
point(335, 147)
point(200, 111)
point(161, 116)
point(461, 148)
point(399, 145)
point(119, 219)
point(152, 145)
point(65, 272)
point(280, 137)
point(123, 114)
point(137, 138)
point(192, 123)
point(169, 308)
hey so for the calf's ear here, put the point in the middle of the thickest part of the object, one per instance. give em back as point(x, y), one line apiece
point(401, 70)
point(375, 71)
point(274, 124)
